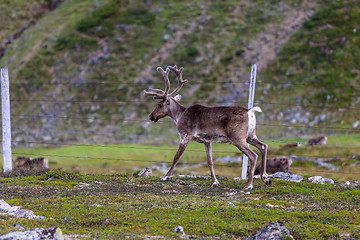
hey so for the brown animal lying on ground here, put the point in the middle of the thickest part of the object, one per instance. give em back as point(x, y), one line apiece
point(291, 145)
point(319, 140)
point(278, 164)
point(27, 163)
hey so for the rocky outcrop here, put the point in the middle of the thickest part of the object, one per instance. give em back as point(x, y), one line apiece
point(54, 233)
point(275, 230)
point(6, 209)
point(286, 177)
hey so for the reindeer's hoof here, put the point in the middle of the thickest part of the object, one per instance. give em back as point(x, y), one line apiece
point(214, 184)
point(165, 179)
point(250, 187)
point(266, 180)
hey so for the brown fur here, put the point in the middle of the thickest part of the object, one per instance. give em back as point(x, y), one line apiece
point(319, 140)
point(291, 145)
point(278, 164)
point(235, 125)
point(27, 163)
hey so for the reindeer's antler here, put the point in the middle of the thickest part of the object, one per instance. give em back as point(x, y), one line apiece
point(181, 82)
point(158, 93)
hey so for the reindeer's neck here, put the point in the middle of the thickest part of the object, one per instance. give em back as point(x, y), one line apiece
point(176, 110)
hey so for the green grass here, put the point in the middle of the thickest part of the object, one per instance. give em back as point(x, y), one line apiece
point(125, 158)
point(115, 206)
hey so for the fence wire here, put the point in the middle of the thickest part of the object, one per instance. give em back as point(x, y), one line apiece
point(82, 116)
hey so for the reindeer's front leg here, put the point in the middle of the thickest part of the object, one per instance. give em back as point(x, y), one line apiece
point(178, 154)
point(214, 181)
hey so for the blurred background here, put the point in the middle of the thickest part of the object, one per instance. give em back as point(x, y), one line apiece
point(77, 70)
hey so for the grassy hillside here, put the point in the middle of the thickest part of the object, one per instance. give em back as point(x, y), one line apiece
point(316, 74)
point(82, 66)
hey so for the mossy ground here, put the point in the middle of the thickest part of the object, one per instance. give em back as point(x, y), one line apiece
point(116, 206)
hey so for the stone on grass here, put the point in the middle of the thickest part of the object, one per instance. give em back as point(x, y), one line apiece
point(17, 211)
point(18, 226)
point(286, 176)
point(329, 181)
point(346, 184)
point(274, 231)
point(179, 230)
point(145, 172)
point(317, 180)
point(35, 234)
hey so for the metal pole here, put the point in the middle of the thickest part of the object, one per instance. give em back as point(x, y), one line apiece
point(6, 125)
point(250, 105)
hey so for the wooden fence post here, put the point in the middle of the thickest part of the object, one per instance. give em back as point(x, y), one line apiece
point(6, 125)
point(250, 105)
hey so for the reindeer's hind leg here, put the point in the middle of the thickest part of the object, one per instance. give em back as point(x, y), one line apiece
point(253, 140)
point(214, 181)
point(242, 146)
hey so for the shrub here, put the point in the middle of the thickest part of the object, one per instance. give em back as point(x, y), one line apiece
point(57, 174)
point(139, 15)
point(96, 17)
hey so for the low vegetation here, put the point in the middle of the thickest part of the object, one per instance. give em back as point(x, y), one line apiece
point(342, 151)
point(98, 194)
point(124, 205)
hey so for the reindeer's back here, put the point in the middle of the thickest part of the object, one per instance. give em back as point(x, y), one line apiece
point(211, 121)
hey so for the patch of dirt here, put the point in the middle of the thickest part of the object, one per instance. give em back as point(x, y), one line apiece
point(267, 43)
point(166, 49)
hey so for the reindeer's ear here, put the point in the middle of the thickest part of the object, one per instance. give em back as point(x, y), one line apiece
point(177, 97)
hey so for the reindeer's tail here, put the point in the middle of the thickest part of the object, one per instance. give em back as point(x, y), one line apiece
point(255, 109)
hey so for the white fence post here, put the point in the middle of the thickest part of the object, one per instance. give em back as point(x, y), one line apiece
point(6, 125)
point(250, 105)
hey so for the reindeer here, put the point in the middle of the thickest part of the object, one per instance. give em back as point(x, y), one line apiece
point(319, 140)
point(27, 163)
point(235, 125)
point(278, 164)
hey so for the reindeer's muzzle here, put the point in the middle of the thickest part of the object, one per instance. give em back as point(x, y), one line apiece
point(151, 117)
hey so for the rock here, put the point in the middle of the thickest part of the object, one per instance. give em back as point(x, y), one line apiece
point(329, 181)
point(346, 184)
point(18, 226)
point(286, 176)
point(35, 234)
point(166, 37)
point(275, 230)
point(230, 204)
point(145, 172)
point(179, 230)
point(250, 46)
point(193, 176)
point(316, 179)
point(268, 205)
point(17, 211)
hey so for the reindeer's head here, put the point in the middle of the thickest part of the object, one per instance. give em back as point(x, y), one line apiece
point(164, 107)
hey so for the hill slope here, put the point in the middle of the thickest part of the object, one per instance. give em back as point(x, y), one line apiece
point(82, 66)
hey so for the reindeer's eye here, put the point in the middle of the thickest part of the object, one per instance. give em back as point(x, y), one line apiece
point(160, 105)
